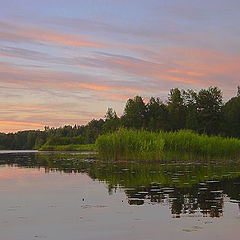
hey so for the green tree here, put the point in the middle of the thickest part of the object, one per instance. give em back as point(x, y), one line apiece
point(190, 102)
point(157, 115)
point(176, 109)
point(111, 121)
point(39, 142)
point(209, 105)
point(134, 115)
point(93, 129)
point(231, 116)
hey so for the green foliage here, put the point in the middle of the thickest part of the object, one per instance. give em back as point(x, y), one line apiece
point(142, 145)
point(203, 112)
point(112, 121)
point(130, 145)
point(209, 104)
point(39, 142)
point(70, 147)
point(156, 115)
point(231, 116)
point(176, 109)
point(93, 129)
point(186, 141)
point(55, 140)
point(134, 113)
point(22, 139)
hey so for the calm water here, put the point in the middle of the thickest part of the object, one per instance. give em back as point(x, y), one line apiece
point(59, 196)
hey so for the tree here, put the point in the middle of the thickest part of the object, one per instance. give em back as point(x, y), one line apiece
point(40, 140)
point(209, 105)
point(134, 115)
point(231, 116)
point(190, 101)
point(157, 115)
point(111, 121)
point(93, 129)
point(176, 109)
point(110, 114)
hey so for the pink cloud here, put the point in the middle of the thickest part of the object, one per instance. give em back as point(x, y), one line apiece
point(199, 67)
point(26, 124)
point(16, 76)
point(19, 33)
point(13, 126)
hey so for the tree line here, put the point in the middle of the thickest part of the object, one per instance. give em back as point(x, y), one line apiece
point(202, 112)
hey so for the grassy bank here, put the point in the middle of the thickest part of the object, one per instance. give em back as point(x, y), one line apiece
point(70, 147)
point(142, 145)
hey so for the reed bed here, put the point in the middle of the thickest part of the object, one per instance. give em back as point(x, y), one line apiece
point(150, 146)
point(130, 144)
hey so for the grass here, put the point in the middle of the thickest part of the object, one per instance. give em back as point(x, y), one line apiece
point(150, 146)
point(70, 147)
point(130, 144)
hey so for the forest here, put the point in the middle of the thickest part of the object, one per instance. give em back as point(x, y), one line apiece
point(202, 112)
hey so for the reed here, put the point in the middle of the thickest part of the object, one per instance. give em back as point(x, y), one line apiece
point(150, 146)
point(130, 144)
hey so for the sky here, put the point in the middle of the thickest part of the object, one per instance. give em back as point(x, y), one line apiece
point(65, 62)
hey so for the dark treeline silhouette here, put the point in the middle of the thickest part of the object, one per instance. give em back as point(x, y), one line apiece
point(202, 112)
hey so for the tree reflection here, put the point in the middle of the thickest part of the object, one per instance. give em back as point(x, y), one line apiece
point(187, 188)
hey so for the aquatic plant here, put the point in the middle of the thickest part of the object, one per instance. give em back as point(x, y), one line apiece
point(130, 144)
point(143, 145)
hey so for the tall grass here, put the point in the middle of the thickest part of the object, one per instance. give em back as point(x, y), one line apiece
point(130, 144)
point(142, 145)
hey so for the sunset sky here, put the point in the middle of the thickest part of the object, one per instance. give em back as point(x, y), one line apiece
point(65, 62)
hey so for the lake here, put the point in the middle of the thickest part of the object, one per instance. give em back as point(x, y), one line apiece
point(61, 196)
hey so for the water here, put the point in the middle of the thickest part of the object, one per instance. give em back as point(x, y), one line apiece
point(17, 151)
point(60, 196)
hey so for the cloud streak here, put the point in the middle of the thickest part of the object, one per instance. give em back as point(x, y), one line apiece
point(92, 56)
point(17, 33)
point(190, 66)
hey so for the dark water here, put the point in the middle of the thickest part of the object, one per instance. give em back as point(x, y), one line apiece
point(60, 196)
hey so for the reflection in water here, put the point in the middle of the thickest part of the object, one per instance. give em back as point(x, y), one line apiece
point(188, 188)
point(193, 200)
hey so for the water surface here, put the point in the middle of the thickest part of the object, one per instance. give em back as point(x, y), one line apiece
point(60, 196)
point(17, 151)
